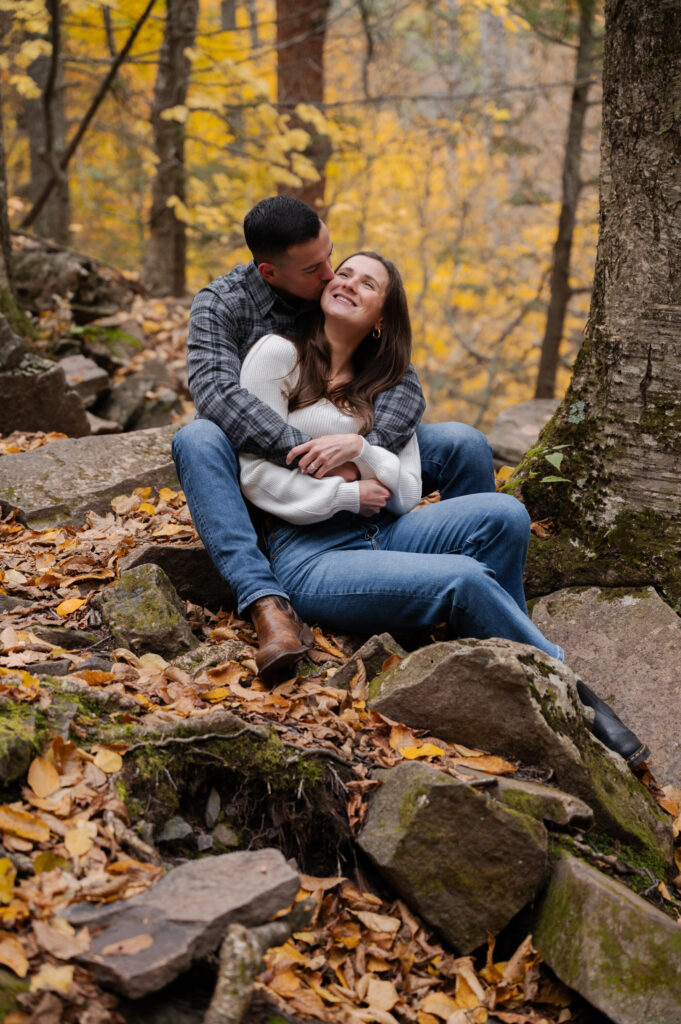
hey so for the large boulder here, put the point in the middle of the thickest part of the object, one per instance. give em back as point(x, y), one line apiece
point(626, 644)
point(34, 395)
point(182, 918)
point(512, 700)
point(465, 862)
point(58, 483)
point(144, 613)
point(614, 948)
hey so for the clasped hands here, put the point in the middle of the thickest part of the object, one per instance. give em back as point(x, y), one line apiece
point(331, 455)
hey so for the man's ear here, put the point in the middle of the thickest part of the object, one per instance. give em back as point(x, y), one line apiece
point(268, 271)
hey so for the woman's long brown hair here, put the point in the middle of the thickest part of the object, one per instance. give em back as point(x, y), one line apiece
point(379, 363)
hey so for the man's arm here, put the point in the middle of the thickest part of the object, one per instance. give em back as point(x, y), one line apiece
point(214, 366)
point(397, 413)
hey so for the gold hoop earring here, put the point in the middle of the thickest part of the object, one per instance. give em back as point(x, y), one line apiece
point(376, 333)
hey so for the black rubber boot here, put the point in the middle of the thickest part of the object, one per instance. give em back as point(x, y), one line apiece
point(611, 731)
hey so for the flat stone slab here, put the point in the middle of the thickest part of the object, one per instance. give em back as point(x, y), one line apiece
point(626, 645)
point(618, 951)
point(512, 700)
point(462, 860)
point(185, 915)
point(58, 483)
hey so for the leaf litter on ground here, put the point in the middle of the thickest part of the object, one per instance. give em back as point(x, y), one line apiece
point(360, 959)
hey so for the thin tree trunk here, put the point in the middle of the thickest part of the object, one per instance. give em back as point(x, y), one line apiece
point(560, 273)
point(44, 122)
point(5, 242)
point(622, 414)
point(301, 32)
point(165, 263)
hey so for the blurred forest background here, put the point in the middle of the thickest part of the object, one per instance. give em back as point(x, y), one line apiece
point(460, 138)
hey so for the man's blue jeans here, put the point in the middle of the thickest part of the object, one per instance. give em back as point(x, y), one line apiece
point(469, 553)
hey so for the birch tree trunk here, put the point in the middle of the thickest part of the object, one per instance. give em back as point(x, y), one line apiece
point(165, 262)
point(620, 511)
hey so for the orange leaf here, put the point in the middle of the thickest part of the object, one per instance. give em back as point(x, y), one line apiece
point(95, 676)
point(325, 645)
point(128, 947)
point(43, 777)
point(425, 750)
point(489, 764)
point(72, 605)
point(20, 823)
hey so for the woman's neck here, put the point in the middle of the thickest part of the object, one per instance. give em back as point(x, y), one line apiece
point(343, 343)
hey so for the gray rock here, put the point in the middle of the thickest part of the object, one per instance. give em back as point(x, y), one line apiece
point(60, 482)
point(517, 428)
point(174, 829)
point(619, 952)
point(463, 861)
point(61, 636)
point(540, 801)
point(159, 410)
point(86, 377)
point(126, 401)
point(99, 426)
point(207, 655)
point(11, 347)
point(512, 700)
point(373, 654)
point(189, 569)
point(7, 602)
point(35, 396)
point(186, 914)
point(144, 613)
point(626, 644)
point(57, 667)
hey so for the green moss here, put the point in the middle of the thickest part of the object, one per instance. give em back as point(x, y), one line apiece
point(10, 988)
point(409, 804)
point(18, 320)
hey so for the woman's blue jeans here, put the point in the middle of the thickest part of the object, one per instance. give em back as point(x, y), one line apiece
point(458, 562)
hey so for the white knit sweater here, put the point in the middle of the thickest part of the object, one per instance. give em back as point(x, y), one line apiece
point(269, 371)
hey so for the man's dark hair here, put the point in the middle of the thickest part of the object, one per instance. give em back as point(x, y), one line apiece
point(277, 223)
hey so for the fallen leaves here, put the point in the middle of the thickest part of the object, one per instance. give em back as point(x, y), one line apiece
point(12, 954)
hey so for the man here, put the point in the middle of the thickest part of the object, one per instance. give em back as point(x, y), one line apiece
point(291, 265)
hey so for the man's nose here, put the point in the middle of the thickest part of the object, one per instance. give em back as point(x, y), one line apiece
point(327, 273)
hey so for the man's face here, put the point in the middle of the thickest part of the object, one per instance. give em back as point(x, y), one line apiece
point(304, 269)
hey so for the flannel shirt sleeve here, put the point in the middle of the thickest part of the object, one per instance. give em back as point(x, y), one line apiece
point(214, 366)
point(397, 413)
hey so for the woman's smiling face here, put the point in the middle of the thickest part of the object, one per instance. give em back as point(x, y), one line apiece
point(357, 292)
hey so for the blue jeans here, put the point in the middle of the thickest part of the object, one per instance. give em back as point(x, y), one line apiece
point(455, 458)
point(458, 562)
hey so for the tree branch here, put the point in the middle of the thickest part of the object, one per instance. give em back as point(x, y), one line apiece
point(87, 118)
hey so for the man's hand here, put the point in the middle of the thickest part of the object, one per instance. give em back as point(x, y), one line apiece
point(321, 454)
point(373, 496)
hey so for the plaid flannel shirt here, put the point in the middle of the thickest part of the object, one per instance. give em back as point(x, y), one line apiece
point(228, 316)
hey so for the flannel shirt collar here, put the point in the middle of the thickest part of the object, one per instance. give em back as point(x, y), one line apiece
point(265, 297)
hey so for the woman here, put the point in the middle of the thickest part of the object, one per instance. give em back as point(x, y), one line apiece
point(341, 541)
point(344, 548)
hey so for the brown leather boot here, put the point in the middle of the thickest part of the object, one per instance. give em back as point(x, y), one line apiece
point(283, 637)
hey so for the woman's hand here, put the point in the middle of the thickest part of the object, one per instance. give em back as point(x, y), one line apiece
point(373, 496)
point(348, 470)
point(321, 454)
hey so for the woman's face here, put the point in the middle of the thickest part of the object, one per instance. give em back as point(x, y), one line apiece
point(357, 293)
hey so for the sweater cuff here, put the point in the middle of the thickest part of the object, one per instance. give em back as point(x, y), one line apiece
point(348, 495)
point(363, 460)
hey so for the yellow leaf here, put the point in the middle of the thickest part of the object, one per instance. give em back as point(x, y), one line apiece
point(425, 750)
point(165, 494)
point(20, 823)
point(110, 761)
point(218, 694)
point(12, 954)
point(439, 1004)
point(78, 840)
point(72, 605)
point(7, 875)
point(147, 507)
point(154, 661)
point(56, 978)
point(381, 995)
point(178, 113)
point(48, 861)
point(491, 765)
point(43, 777)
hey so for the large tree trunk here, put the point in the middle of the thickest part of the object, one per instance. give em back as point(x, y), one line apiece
point(560, 271)
point(165, 262)
point(301, 31)
point(620, 512)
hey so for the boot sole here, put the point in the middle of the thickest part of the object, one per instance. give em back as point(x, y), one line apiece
point(639, 756)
